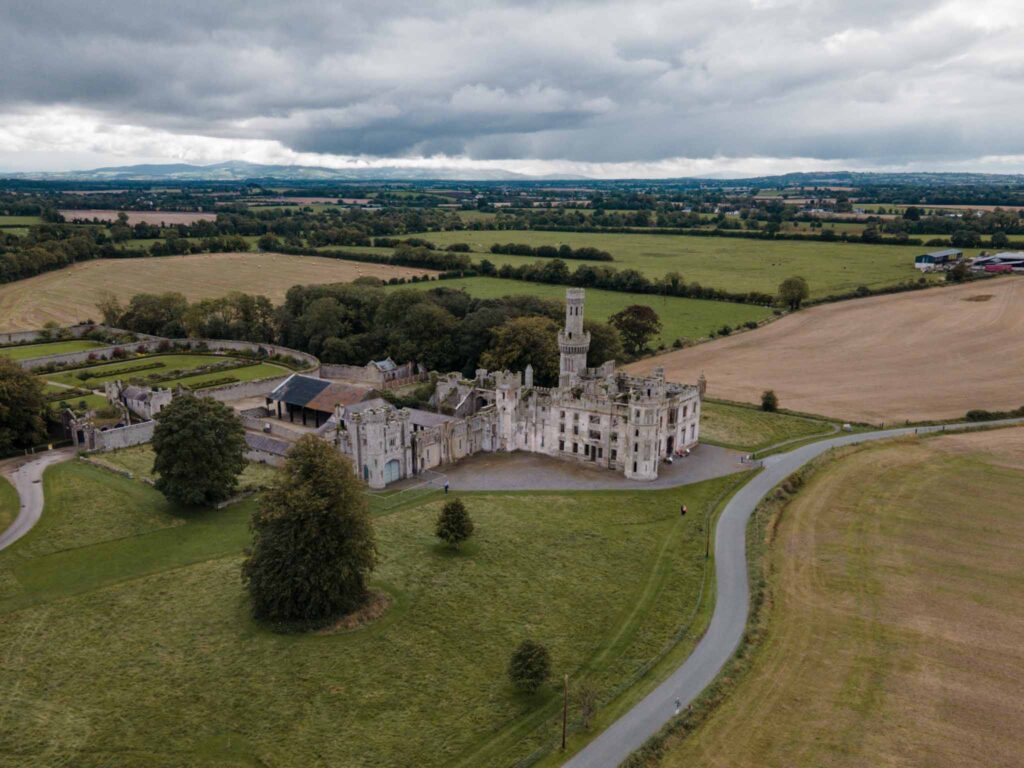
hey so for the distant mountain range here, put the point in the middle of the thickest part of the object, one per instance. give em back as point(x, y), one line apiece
point(236, 171)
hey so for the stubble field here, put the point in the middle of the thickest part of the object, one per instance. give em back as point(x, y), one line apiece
point(919, 356)
point(69, 295)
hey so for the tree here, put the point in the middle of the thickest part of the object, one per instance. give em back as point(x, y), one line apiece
point(524, 341)
point(22, 406)
point(605, 343)
point(200, 451)
point(999, 239)
point(912, 213)
point(965, 238)
point(958, 273)
point(793, 291)
point(529, 666)
point(313, 542)
point(637, 324)
point(769, 401)
point(454, 525)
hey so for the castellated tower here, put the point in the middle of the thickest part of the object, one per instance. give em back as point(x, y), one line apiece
point(573, 341)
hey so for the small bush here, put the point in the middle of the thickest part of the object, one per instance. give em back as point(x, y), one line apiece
point(769, 401)
point(529, 666)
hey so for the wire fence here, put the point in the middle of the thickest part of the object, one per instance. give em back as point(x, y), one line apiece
point(429, 482)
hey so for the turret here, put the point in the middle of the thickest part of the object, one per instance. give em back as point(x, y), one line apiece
point(573, 341)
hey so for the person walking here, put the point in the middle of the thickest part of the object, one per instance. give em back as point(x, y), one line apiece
point(445, 487)
point(683, 510)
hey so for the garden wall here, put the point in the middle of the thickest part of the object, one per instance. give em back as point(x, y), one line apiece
point(242, 389)
point(125, 437)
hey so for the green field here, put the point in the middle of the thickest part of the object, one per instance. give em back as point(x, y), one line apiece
point(734, 264)
point(9, 504)
point(126, 637)
point(31, 351)
point(750, 429)
point(892, 628)
point(680, 318)
point(19, 221)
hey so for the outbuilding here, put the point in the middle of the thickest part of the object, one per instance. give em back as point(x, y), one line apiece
point(937, 259)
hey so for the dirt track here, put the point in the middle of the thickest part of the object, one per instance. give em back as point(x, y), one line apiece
point(923, 355)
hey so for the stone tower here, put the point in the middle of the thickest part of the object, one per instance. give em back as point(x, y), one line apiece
point(573, 341)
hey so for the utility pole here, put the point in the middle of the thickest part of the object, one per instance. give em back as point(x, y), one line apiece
point(565, 708)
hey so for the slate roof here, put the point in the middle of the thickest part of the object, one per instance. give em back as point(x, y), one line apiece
point(384, 365)
point(299, 390)
point(267, 444)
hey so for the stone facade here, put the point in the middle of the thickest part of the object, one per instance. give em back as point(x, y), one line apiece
point(598, 416)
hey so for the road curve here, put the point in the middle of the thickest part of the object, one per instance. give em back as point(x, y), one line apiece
point(728, 623)
point(27, 478)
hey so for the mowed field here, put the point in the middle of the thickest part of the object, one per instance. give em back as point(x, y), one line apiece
point(137, 217)
point(69, 295)
point(680, 318)
point(922, 355)
point(604, 579)
point(734, 264)
point(896, 632)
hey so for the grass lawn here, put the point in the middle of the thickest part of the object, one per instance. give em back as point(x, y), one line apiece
point(171, 363)
point(30, 351)
point(680, 318)
point(751, 429)
point(127, 639)
point(9, 504)
point(735, 264)
point(139, 461)
point(895, 630)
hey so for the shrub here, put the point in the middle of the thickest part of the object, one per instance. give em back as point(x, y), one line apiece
point(769, 401)
point(119, 353)
point(454, 525)
point(529, 666)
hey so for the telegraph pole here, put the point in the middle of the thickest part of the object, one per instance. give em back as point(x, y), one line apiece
point(565, 708)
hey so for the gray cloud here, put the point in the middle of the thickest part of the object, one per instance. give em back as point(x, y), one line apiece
point(875, 81)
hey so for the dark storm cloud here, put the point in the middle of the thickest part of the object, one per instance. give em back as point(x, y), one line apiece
point(875, 80)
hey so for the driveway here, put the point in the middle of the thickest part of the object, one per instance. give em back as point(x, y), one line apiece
point(26, 475)
point(521, 471)
point(628, 733)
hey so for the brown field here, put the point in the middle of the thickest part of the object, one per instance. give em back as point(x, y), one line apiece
point(896, 627)
point(68, 295)
point(923, 355)
point(136, 217)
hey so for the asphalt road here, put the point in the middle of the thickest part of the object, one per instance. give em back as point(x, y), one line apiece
point(27, 479)
point(628, 733)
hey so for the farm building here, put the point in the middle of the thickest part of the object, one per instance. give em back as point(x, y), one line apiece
point(937, 259)
point(314, 399)
point(1007, 261)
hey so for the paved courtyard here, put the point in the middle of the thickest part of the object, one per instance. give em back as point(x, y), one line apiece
point(529, 471)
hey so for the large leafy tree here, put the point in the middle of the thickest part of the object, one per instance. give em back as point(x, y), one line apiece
point(313, 543)
point(200, 451)
point(524, 341)
point(793, 291)
point(605, 343)
point(637, 324)
point(21, 408)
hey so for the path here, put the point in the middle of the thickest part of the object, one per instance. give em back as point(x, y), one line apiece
point(27, 478)
point(628, 733)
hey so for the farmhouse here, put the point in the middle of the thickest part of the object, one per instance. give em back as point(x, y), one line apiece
point(937, 259)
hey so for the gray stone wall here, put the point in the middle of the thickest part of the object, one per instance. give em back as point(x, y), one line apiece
point(125, 437)
point(242, 389)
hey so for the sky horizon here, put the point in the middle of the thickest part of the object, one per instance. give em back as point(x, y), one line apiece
point(604, 90)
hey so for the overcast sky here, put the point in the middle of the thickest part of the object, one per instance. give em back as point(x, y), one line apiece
point(691, 87)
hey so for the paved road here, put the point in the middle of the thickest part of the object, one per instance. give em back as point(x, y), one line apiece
point(26, 475)
point(729, 620)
